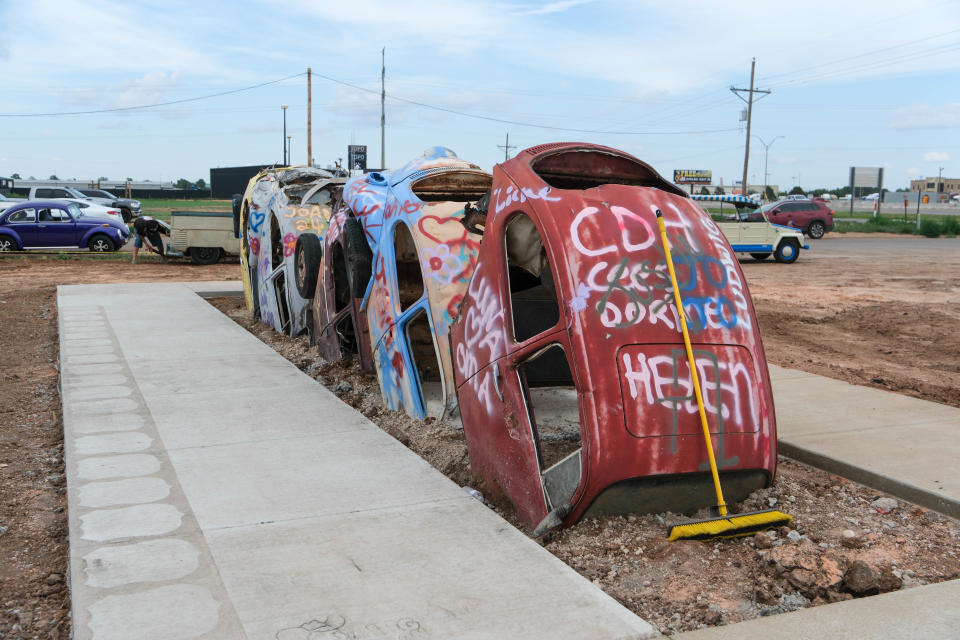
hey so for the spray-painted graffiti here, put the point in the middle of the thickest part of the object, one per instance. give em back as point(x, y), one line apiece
point(452, 257)
point(511, 195)
point(289, 245)
point(636, 403)
point(256, 220)
point(418, 246)
point(314, 218)
point(482, 340)
point(273, 224)
point(632, 280)
point(660, 390)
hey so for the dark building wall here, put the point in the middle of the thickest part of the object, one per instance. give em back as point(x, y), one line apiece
point(226, 181)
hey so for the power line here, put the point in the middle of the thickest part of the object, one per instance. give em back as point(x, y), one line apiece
point(516, 122)
point(867, 66)
point(148, 106)
point(859, 55)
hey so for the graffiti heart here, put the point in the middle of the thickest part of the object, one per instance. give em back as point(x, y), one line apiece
point(256, 220)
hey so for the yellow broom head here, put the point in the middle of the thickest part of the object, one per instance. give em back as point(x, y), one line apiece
point(731, 526)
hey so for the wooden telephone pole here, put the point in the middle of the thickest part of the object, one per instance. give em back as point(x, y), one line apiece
point(749, 100)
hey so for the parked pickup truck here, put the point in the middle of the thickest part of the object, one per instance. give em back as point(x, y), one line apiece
point(55, 193)
point(129, 207)
point(204, 236)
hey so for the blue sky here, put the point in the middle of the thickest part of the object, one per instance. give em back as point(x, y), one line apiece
point(853, 83)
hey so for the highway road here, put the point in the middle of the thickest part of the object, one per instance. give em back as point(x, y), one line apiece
point(867, 245)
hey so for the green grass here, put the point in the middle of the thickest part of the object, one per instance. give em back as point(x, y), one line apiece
point(931, 226)
point(160, 208)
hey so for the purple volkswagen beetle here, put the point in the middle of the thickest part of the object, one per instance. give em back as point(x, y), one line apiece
point(58, 223)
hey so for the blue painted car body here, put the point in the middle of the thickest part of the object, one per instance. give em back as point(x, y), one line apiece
point(56, 224)
point(423, 258)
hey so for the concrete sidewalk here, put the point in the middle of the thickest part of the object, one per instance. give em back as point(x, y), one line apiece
point(215, 491)
point(905, 446)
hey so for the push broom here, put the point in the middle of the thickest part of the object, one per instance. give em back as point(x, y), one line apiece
point(724, 526)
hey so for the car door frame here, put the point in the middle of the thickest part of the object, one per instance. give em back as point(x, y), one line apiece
point(514, 458)
point(62, 231)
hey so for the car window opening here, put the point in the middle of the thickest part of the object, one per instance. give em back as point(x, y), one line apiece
point(346, 332)
point(578, 169)
point(452, 186)
point(279, 290)
point(276, 244)
point(321, 197)
point(409, 274)
point(554, 414)
point(533, 296)
point(426, 363)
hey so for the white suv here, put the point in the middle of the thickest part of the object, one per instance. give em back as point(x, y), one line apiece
point(751, 232)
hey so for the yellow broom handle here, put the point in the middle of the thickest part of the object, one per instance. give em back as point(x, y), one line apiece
point(721, 505)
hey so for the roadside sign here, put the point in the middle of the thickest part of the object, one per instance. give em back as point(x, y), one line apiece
point(692, 176)
point(357, 157)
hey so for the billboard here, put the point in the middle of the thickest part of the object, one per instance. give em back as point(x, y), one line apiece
point(866, 177)
point(357, 157)
point(692, 176)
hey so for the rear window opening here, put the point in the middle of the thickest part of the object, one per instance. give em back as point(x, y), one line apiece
point(585, 169)
point(409, 275)
point(425, 362)
point(533, 297)
point(554, 413)
point(295, 193)
point(452, 186)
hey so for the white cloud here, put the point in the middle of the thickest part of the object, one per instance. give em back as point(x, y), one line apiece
point(361, 108)
point(936, 156)
point(912, 171)
point(924, 116)
point(552, 7)
point(153, 87)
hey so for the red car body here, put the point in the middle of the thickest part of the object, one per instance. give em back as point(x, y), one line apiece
point(570, 306)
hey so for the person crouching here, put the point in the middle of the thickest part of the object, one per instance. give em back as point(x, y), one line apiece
point(147, 231)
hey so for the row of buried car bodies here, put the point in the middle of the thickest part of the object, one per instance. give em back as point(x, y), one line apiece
point(534, 307)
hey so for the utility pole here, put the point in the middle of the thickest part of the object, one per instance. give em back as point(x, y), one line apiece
point(506, 148)
point(284, 107)
point(309, 118)
point(383, 100)
point(766, 151)
point(749, 101)
point(940, 182)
